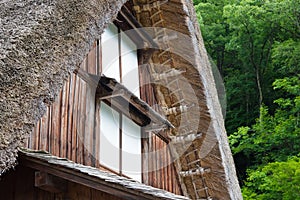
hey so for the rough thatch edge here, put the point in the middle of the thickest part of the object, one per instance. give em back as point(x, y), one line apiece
point(39, 51)
point(213, 129)
point(215, 109)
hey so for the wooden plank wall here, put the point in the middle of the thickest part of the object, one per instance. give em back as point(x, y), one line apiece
point(158, 169)
point(67, 128)
point(70, 127)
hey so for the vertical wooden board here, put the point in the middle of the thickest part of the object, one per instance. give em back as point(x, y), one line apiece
point(168, 175)
point(49, 129)
point(82, 123)
point(30, 139)
point(171, 178)
point(146, 95)
point(163, 165)
point(143, 88)
point(145, 139)
point(164, 168)
point(56, 124)
point(31, 142)
point(44, 195)
point(37, 137)
point(154, 161)
point(173, 187)
point(78, 122)
point(64, 120)
point(78, 192)
point(169, 168)
point(164, 177)
point(72, 84)
point(92, 60)
point(99, 57)
point(98, 195)
point(81, 117)
point(150, 161)
point(89, 124)
point(145, 160)
point(96, 137)
point(44, 130)
point(168, 171)
point(177, 187)
point(147, 92)
point(74, 119)
point(34, 137)
point(158, 162)
point(89, 104)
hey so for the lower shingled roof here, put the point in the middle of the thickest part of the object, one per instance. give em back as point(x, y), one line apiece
point(97, 178)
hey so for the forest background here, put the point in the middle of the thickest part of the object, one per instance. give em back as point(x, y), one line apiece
point(255, 44)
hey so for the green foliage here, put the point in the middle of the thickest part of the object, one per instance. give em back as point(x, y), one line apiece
point(253, 42)
point(273, 137)
point(278, 180)
point(256, 47)
point(285, 57)
point(242, 107)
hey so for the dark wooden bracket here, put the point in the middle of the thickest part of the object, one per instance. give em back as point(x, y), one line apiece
point(49, 182)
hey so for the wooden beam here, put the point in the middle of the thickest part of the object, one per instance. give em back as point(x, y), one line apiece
point(136, 106)
point(121, 98)
point(126, 21)
point(49, 182)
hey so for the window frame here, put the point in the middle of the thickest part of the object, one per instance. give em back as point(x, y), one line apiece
point(138, 108)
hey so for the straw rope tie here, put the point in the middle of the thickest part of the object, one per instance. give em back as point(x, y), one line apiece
point(165, 38)
point(185, 138)
point(193, 172)
point(155, 14)
point(198, 172)
point(164, 52)
point(149, 7)
point(177, 110)
point(167, 74)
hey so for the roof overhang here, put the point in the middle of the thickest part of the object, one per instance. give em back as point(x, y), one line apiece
point(92, 177)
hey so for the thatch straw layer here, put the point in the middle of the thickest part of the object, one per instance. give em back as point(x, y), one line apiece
point(187, 53)
point(41, 42)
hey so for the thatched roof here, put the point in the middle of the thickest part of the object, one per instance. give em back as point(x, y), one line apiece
point(205, 164)
point(41, 42)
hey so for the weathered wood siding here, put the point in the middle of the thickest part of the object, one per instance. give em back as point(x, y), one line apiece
point(71, 127)
point(68, 127)
point(160, 171)
point(158, 168)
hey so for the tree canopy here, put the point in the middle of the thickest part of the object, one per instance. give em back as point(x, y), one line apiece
point(256, 47)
